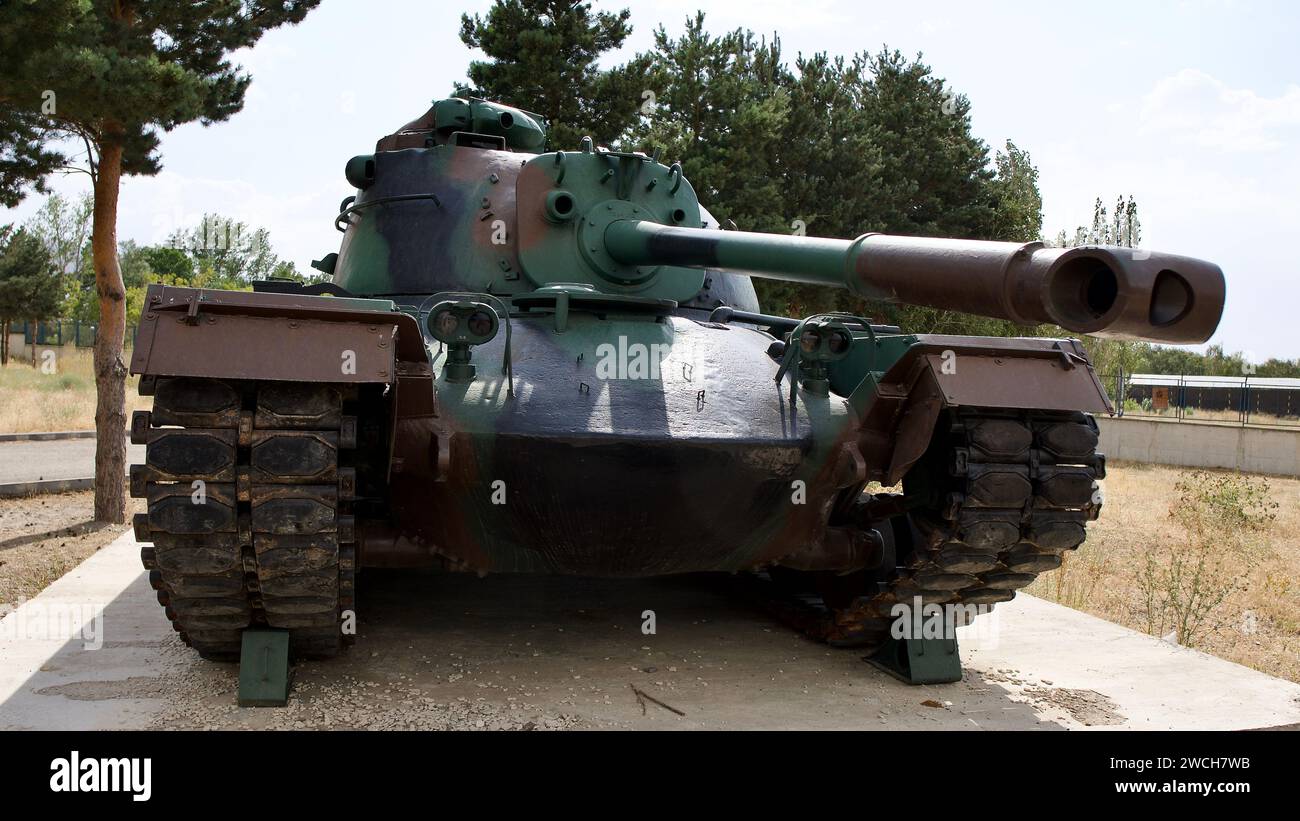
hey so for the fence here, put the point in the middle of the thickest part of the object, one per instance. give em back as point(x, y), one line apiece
point(1240, 400)
point(61, 332)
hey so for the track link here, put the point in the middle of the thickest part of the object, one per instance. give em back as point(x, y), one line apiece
point(248, 511)
point(998, 498)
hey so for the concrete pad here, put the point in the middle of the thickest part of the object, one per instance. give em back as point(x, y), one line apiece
point(43, 644)
point(511, 646)
point(1151, 684)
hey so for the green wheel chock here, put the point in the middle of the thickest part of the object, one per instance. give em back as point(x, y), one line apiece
point(264, 668)
point(920, 661)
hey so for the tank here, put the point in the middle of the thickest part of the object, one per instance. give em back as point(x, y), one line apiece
point(534, 361)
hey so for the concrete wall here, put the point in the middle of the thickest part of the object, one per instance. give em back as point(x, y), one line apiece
point(18, 346)
point(1191, 444)
point(20, 351)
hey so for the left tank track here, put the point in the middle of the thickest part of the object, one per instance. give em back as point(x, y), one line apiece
point(249, 487)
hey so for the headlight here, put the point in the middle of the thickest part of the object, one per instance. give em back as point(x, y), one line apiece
point(462, 323)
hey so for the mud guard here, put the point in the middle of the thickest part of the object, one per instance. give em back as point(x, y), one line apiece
point(288, 337)
point(961, 371)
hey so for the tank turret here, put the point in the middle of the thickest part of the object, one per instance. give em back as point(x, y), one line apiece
point(622, 223)
point(645, 234)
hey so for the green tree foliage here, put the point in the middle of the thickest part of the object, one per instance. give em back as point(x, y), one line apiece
point(64, 226)
point(719, 106)
point(230, 252)
point(30, 285)
point(831, 147)
point(542, 56)
point(168, 263)
point(217, 253)
point(25, 158)
point(1017, 203)
point(113, 74)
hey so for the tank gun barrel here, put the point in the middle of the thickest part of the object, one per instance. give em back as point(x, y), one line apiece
point(1100, 290)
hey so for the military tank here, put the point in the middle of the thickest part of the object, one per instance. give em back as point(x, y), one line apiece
point(534, 361)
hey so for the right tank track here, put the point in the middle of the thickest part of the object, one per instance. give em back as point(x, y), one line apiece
point(998, 498)
point(249, 492)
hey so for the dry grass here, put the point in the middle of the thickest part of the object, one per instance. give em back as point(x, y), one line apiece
point(28, 567)
point(1255, 567)
point(1218, 417)
point(32, 400)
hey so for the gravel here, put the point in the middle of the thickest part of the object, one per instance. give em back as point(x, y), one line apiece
point(202, 696)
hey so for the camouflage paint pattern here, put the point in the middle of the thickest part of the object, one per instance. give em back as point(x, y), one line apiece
point(634, 435)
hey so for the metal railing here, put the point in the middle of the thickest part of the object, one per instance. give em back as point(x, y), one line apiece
point(59, 332)
point(1235, 400)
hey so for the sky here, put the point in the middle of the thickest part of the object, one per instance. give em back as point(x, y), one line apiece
point(1192, 107)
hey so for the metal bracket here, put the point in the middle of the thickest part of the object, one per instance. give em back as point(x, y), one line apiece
point(920, 661)
point(264, 668)
point(192, 312)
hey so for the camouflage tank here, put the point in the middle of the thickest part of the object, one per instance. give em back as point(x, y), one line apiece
point(535, 361)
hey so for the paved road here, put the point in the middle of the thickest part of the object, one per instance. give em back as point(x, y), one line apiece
point(58, 459)
point(520, 652)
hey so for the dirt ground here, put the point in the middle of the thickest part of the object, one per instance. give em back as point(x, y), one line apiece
point(42, 537)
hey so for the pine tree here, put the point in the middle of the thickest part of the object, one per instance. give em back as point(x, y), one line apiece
point(30, 286)
point(542, 57)
point(25, 159)
point(112, 74)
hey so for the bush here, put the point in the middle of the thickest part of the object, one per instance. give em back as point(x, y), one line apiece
point(1185, 580)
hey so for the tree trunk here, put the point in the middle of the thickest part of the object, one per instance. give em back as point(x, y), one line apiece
point(110, 372)
point(4, 342)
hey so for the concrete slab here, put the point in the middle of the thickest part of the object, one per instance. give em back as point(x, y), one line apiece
point(521, 651)
point(50, 642)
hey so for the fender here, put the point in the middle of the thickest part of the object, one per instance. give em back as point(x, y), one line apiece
point(290, 337)
point(940, 372)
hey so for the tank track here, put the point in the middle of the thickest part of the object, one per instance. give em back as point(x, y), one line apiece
point(998, 498)
point(249, 496)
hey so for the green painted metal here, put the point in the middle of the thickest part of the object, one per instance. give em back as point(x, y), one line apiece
point(568, 201)
point(264, 668)
point(797, 259)
point(522, 130)
point(920, 661)
point(869, 354)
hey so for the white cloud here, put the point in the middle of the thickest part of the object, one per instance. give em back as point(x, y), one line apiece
point(1194, 107)
point(153, 207)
